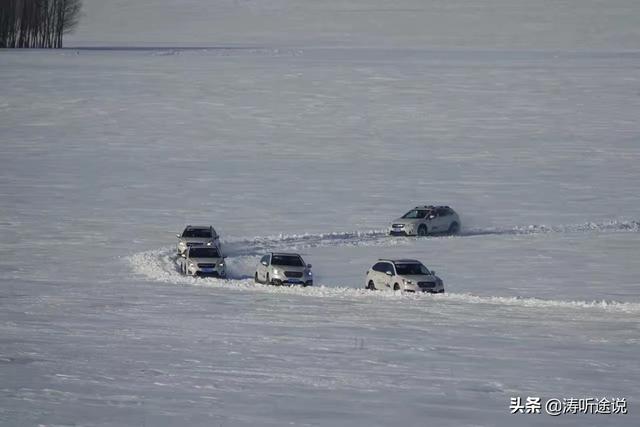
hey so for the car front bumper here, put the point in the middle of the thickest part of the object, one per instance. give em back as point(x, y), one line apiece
point(405, 230)
point(291, 282)
point(209, 272)
point(437, 289)
point(394, 232)
point(426, 291)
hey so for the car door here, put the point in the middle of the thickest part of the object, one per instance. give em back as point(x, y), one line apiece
point(430, 220)
point(421, 217)
point(376, 275)
point(387, 280)
point(437, 222)
point(444, 218)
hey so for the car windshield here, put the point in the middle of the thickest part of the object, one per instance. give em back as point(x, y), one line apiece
point(288, 260)
point(197, 232)
point(416, 213)
point(412, 268)
point(204, 253)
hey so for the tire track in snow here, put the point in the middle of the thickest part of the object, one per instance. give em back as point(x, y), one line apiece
point(257, 245)
point(160, 265)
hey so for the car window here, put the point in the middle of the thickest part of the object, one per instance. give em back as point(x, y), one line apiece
point(197, 232)
point(389, 267)
point(411, 268)
point(379, 267)
point(415, 214)
point(287, 260)
point(265, 259)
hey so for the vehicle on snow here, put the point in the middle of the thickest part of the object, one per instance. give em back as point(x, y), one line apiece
point(197, 236)
point(279, 268)
point(423, 220)
point(408, 275)
point(203, 261)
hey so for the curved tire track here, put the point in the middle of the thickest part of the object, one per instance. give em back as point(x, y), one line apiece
point(160, 265)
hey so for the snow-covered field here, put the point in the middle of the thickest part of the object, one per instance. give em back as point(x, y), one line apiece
point(106, 154)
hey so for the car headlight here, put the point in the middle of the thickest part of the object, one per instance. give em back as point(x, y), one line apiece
point(407, 282)
point(191, 264)
point(221, 264)
point(276, 271)
point(309, 273)
point(181, 243)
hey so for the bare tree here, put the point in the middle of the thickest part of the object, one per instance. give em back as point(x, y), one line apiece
point(37, 23)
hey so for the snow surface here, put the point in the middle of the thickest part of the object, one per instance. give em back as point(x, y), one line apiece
point(107, 153)
point(486, 24)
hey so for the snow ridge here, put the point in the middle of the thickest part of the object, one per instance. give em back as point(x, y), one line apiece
point(160, 265)
point(380, 237)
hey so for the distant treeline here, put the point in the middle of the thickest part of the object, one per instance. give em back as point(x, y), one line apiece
point(37, 23)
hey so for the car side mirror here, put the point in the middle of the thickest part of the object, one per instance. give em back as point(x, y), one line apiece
point(431, 216)
point(264, 263)
point(433, 272)
point(308, 265)
point(178, 235)
point(389, 273)
point(224, 257)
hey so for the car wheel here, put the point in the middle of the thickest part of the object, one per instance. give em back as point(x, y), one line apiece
point(396, 287)
point(454, 228)
point(268, 282)
point(422, 230)
point(256, 278)
point(371, 286)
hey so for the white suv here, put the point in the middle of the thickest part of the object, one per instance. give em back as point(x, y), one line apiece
point(195, 236)
point(280, 269)
point(206, 261)
point(423, 220)
point(406, 275)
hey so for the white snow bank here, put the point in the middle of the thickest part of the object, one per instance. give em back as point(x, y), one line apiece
point(160, 265)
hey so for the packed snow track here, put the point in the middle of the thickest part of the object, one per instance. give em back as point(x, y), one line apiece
point(244, 253)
